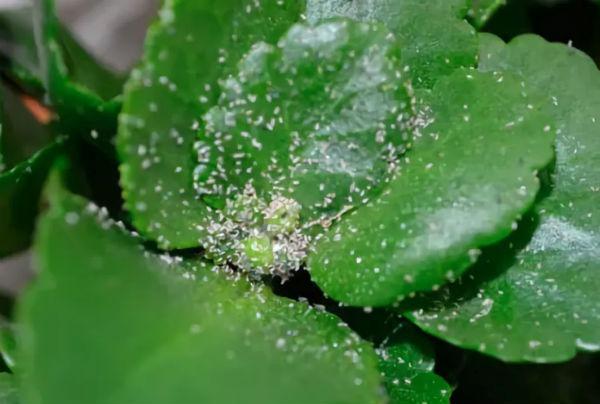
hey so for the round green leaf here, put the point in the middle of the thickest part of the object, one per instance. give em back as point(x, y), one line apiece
point(126, 326)
point(536, 296)
point(434, 36)
point(471, 174)
point(320, 119)
point(194, 43)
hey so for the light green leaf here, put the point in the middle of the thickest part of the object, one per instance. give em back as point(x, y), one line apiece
point(195, 43)
point(126, 326)
point(435, 38)
point(536, 296)
point(406, 361)
point(471, 174)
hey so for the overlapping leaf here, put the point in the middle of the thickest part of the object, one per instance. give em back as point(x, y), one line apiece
point(194, 44)
point(20, 190)
point(406, 361)
point(80, 90)
point(320, 119)
point(470, 175)
point(534, 297)
point(124, 326)
point(434, 36)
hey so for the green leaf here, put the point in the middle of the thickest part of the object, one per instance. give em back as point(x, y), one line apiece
point(8, 389)
point(406, 362)
point(126, 326)
point(20, 190)
point(434, 36)
point(80, 90)
point(194, 44)
point(471, 174)
point(536, 296)
point(308, 130)
point(481, 11)
point(319, 119)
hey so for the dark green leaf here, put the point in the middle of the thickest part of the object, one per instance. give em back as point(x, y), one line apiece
point(194, 44)
point(20, 190)
point(434, 36)
point(125, 326)
point(535, 297)
point(80, 90)
point(471, 174)
point(406, 362)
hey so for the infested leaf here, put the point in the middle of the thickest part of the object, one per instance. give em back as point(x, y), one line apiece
point(308, 130)
point(194, 44)
point(161, 329)
point(434, 36)
point(406, 361)
point(534, 298)
point(471, 174)
point(320, 119)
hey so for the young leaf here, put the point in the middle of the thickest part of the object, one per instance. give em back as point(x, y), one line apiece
point(435, 38)
point(535, 297)
point(471, 174)
point(406, 362)
point(320, 119)
point(124, 326)
point(195, 43)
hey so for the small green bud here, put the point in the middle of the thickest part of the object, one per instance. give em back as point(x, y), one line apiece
point(259, 251)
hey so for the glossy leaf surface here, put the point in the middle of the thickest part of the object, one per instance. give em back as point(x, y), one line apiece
point(191, 47)
point(471, 174)
point(534, 297)
point(126, 326)
point(434, 36)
